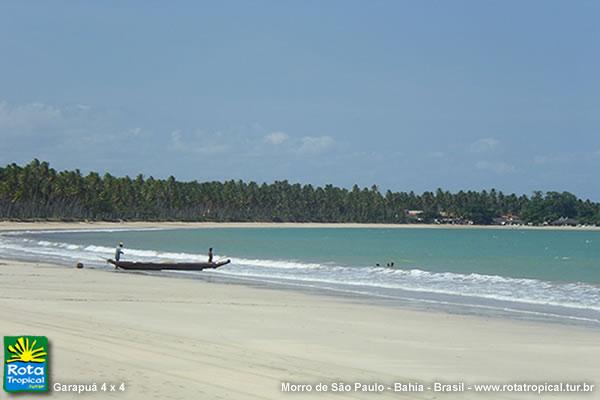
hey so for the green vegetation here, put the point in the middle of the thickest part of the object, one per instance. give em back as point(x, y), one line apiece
point(37, 191)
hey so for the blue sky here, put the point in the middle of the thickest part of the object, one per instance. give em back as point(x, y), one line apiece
point(406, 95)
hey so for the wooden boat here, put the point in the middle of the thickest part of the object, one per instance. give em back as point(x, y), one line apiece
point(150, 266)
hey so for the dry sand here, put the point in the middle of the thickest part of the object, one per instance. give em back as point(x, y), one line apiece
point(170, 338)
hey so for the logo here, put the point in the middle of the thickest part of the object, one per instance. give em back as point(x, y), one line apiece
point(25, 363)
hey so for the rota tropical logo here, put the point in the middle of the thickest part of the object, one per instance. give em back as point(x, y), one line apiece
point(25, 363)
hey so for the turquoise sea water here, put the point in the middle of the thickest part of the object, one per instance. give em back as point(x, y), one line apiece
point(493, 267)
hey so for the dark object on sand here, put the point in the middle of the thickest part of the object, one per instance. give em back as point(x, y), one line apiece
point(149, 266)
point(79, 265)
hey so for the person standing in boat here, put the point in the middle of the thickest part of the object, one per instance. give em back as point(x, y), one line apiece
point(210, 255)
point(119, 251)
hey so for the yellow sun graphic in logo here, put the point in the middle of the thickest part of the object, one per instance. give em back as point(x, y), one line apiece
point(26, 352)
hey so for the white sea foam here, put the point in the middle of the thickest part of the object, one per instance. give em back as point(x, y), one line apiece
point(107, 230)
point(492, 287)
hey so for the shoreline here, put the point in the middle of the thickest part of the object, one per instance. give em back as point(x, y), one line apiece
point(50, 225)
point(177, 338)
point(449, 303)
point(423, 302)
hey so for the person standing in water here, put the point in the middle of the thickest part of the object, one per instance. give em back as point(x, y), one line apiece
point(210, 255)
point(119, 251)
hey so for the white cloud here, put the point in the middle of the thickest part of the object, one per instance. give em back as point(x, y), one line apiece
point(83, 107)
point(315, 144)
point(135, 132)
point(484, 145)
point(132, 136)
point(437, 154)
point(553, 158)
point(498, 167)
point(28, 116)
point(177, 142)
point(197, 144)
point(276, 138)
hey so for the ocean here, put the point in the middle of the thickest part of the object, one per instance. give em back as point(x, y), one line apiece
point(531, 274)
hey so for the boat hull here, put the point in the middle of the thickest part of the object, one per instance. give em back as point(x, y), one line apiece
point(148, 266)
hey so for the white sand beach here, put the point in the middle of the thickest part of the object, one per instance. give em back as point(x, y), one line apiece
point(471, 128)
point(170, 338)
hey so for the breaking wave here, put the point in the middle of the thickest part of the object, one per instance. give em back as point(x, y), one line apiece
point(581, 296)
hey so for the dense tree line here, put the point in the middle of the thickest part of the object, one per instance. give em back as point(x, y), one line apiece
point(37, 191)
